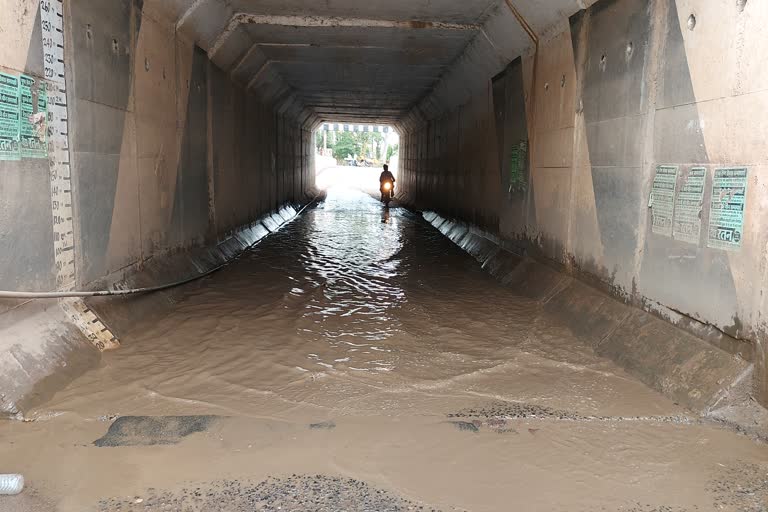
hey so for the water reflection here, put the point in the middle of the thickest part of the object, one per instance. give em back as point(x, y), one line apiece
point(357, 261)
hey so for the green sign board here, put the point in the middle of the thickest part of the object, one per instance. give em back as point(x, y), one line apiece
point(688, 205)
point(9, 117)
point(34, 115)
point(517, 166)
point(662, 201)
point(727, 207)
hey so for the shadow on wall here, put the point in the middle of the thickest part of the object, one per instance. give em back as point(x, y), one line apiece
point(166, 152)
point(171, 160)
point(446, 165)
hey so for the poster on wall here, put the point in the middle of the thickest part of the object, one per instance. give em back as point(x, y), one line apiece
point(33, 118)
point(688, 206)
point(9, 117)
point(662, 201)
point(517, 165)
point(728, 204)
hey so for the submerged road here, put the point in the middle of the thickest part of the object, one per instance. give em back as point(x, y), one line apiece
point(358, 360)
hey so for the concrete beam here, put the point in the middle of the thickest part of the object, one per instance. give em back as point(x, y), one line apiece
point(242, 60)
point(305, 115)
point(324, 22)
point(283, 106)
point(283, 94)
point(357, 120)
point(365, 114)
point(322, 107)
point(357, 112)
point(258, 74)
point(256, 47)
point(362, 104)
point(363, 62)
point(362, 96)
point(188, 13)
point(382, 111)
point(352, 86)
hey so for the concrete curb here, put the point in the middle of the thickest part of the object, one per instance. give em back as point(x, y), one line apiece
point(119, 313)
point(41, 351)
point(686, 369)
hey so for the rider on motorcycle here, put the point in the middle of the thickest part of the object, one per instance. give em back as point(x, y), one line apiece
point(387, 177)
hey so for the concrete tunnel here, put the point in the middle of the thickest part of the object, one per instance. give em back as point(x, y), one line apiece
point(585, 179)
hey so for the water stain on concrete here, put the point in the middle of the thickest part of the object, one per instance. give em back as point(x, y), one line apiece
point(153, 430)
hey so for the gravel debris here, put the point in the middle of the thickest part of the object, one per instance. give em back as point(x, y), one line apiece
point(305, 493)
point(742, 488)
point(497, 413)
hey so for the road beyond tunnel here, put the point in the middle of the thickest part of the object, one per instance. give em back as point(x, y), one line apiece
point(203, 308)
point(358, 343)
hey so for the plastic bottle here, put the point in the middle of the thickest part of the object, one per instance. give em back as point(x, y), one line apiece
point(11, 484)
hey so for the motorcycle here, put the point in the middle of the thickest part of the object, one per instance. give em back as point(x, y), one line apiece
point(387, 192)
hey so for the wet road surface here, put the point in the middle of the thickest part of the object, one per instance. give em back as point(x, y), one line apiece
point(358, 360)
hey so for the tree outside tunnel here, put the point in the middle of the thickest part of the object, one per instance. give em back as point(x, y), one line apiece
point(372, 147)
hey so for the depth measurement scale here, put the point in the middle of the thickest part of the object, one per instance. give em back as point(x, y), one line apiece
point(52, 24)
point(52, 21)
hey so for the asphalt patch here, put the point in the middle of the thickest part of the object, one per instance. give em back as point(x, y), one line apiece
point(465, 426)
point(306, 493)
point(325, 425)
point(153, 430)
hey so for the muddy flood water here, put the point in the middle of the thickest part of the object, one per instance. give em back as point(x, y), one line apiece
point(358, 360)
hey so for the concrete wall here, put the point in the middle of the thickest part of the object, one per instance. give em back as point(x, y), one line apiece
point(685, 368)
point(167, 153)
point(176, 158)
point(624, 87)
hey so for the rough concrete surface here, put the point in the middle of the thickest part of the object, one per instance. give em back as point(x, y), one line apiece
point(687, 369)
point(40, 352)
point(541, 124)
point(597, 105)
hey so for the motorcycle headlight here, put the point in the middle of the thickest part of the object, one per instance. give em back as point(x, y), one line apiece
point(387, 186)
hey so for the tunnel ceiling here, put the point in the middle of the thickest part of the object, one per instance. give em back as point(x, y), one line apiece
point(376, 61)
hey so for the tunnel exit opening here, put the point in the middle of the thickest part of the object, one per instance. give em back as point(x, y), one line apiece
point(353, 155)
